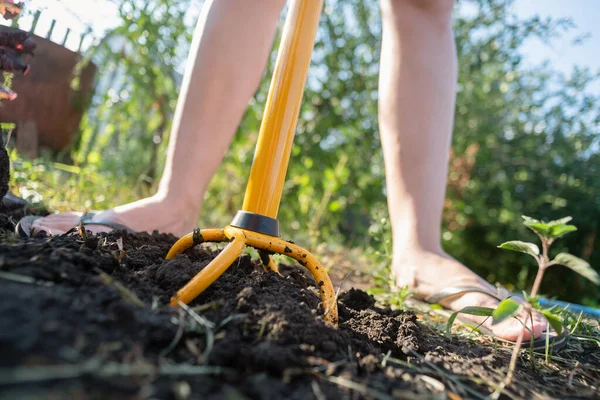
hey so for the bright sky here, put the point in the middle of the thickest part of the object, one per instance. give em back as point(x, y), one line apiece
point(562, 54)
point(100, 14)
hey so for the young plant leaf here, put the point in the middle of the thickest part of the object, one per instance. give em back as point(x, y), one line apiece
point(506, 309)
point(478, 311)
point(560, 221)
point(523, 247)
point(529, 219)
point(553, 320)
point(560, 230)
point(539, 227)
point(578, 265)
point(552, 230)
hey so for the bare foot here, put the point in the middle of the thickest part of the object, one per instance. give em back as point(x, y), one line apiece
point(146, 215)
point(427, 273)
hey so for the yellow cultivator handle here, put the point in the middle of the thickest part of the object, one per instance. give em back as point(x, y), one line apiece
point(256, 224)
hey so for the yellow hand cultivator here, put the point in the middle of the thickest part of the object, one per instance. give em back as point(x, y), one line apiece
point(256, 225)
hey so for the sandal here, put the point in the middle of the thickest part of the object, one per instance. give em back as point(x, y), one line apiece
point(550, 338)
point(24, 228)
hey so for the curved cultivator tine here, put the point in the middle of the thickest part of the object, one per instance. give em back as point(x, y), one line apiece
point(212, 271)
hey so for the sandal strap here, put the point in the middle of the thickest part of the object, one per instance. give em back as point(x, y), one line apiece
point(114, 225)
point(86, 219)
point(556, 341)
point(458, 290)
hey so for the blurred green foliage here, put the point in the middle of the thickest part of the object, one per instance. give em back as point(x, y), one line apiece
point(526, 140)
point(137, 89)
point(55, 186)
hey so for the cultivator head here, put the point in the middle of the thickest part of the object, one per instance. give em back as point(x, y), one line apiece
point(256, 224)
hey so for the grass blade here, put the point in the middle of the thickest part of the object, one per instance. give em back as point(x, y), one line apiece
point(472, 310)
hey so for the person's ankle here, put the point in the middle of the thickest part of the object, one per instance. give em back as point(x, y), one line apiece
point(178, 202)
point(409, 250)
point(184, 212)
point(408, 260)
point(171, 214)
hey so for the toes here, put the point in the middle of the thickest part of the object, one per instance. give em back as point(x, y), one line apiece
point(511, 329)
point(537, 323)
point(535, 326)
point(56, 222)
point(48, 229)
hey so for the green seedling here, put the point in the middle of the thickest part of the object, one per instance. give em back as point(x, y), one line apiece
point(548, 232)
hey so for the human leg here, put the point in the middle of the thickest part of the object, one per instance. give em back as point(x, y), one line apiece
point(228, 54)
point(416, 111)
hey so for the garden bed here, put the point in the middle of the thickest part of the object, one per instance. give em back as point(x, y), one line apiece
point(88, 318)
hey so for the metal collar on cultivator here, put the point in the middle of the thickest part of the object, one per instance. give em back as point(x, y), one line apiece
point(256, 224)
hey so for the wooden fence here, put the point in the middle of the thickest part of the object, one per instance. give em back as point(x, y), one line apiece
point(48, 111)
point(16, 23)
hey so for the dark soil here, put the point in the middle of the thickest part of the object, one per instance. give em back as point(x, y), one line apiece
point(88, 318)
